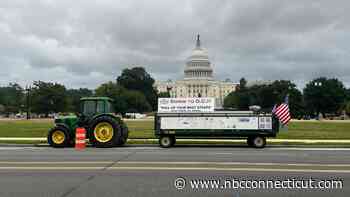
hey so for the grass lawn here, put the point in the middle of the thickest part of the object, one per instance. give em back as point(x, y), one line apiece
point(39, 128)
point(316, 130)
point(144, 129)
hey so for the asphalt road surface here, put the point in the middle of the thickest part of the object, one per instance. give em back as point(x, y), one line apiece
point(178, 171)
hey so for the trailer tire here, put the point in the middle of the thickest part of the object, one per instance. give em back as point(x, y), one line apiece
point(173, 141)
point(166, 141)
point(259, 141)
point(250, 141)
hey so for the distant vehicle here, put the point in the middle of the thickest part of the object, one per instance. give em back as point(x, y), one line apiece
point(135, 115)
point(19, 115)
point(254, 126)
point(104, 128)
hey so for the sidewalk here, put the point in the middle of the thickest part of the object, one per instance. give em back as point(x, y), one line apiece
point(153, 140)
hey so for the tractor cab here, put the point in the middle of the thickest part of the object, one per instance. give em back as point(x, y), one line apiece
point(91, 106)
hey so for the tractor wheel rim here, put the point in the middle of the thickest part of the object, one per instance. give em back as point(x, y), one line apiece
point(58, 137)
point(103, 132)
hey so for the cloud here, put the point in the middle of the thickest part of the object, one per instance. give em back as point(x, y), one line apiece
point(83, 43)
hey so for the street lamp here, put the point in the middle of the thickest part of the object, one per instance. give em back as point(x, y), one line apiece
point(27, 90)
point(318, 84)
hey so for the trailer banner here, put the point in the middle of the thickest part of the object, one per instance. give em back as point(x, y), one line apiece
point(214, 123)
point(202, 104)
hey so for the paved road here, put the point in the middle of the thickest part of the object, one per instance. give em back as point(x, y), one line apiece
point(152, 171)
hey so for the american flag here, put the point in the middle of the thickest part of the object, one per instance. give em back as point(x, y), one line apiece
point(282, 112)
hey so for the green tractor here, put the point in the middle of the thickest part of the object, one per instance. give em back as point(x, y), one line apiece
point(103, 127)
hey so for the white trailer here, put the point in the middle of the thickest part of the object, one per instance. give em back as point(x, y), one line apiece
point(218, 124)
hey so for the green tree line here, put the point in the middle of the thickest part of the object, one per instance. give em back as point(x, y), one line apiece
point(321, 95)
point(133, 91)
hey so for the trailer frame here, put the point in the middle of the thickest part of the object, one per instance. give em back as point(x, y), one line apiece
point(255, 137)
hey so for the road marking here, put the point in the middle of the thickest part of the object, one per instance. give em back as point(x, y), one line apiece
point(166, 163)
point(176, 168)
point(140, 148)
point(231, 163)
point(56, 162)
point(228, 169)
point(11, 148)
point(172, 163)
point(317, 149)
point(50, 168)
point(20, 148)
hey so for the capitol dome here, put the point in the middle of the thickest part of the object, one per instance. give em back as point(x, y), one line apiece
point(199, 54)
point(198, 65)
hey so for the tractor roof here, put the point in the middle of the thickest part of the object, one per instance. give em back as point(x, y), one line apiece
point(96, 98)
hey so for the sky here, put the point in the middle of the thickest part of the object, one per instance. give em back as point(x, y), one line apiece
point(84, 43)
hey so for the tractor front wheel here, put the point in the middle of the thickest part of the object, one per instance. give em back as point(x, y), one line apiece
point(106, 132)
point(58, 137)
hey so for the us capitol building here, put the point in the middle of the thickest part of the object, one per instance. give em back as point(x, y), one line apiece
point(198, 79)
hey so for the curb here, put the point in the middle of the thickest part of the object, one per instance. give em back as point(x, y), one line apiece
point(153, 140)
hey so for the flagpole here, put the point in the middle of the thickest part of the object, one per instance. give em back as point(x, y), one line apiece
point(286, 101)
point(282, 113)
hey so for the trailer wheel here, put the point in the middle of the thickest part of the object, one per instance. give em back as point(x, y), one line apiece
point(174, 141)
point(259, 142)
point(166, 141)
point(250, 141)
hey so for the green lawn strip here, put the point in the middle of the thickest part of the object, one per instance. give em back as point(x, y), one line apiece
point(25, 128)
point(4, 142)
point(316, 130)
point(145, 129)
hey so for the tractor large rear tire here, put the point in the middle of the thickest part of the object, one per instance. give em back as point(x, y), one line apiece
point(105, 132)
point(125, 135)
point(122, 140)
point(58, 137)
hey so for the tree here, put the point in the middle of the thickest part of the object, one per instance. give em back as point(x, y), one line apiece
point(347, 102)
point(231, 100)
point(12, 98)
point(49, 97)
point(74, 96)
point(164, 95)
point(138, 79)
point(281, 88)
point(124, 100)
point(136, 101)
point(324, 95)
point(347, 108)
point(266, 96)
point(240, 98)
point(115, 92)
point(2, 108)
point(242, 83)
